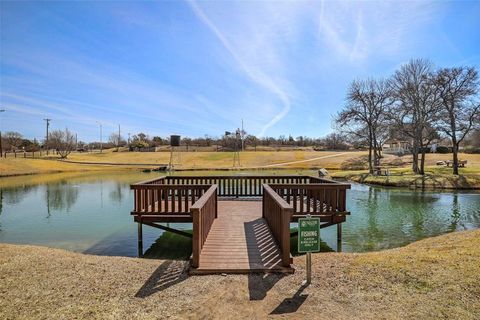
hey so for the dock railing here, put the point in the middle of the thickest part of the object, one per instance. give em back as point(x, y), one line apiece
point(315, 198)
point(237, 186)
point(157, 198)
point(285, 200)
point(204, 212)
point(278, 213)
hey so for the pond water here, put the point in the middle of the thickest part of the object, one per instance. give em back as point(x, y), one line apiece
point(90, 213)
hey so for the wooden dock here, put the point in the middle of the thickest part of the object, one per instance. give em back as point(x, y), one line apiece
point(241, 224)
point(240, 241)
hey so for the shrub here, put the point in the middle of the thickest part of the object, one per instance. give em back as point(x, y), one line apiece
point(471, 150)
point(443, 149)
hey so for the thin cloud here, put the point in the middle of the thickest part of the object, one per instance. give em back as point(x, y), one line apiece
point(255, 74)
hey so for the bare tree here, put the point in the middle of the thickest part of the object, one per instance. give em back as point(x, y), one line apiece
point(416, 107)
point(62, 141)
point(335, 141)
point(459, 113)
point(365, 113)
point(116, 139)
point(14, 139)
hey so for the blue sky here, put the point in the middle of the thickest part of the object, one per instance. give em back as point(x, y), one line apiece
point(196, 68)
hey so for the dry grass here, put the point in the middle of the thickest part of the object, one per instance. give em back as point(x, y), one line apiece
point(183, 160)
point(439, 177)
point(20, 166)
point(437, 278)
point(202, 160)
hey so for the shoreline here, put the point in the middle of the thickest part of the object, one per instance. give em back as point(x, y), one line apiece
point(436, 178)
point(414, 182)
point(444, 282)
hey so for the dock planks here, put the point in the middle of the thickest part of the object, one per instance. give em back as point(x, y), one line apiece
point(240, 241)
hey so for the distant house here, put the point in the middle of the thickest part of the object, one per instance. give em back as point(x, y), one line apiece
point(396, 146)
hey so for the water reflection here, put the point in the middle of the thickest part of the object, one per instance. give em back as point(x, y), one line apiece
point(455, 212)
point(384, 218)
point(60, 196)
point(16, 194)
point(98, 219)
point(117, 194)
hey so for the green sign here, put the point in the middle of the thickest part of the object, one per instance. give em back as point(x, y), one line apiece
point(308, 235)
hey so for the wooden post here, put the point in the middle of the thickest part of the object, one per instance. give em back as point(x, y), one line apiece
point(216, 204)
point(339, 232)
point(197, 231)
point(140, 240)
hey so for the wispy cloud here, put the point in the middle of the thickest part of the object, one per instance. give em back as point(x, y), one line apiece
point(251, 69)
point(197, 68)
point(358, 31)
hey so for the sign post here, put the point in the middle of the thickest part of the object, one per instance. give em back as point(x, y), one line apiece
point(309, 240)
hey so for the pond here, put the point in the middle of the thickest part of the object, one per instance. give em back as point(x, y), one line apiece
point(90, 213)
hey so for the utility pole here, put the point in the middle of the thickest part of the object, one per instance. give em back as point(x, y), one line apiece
point(100, 136)
point(46, 138)
point(129, 141)
point(118, 141)
point(241, 137)
point(1, 148)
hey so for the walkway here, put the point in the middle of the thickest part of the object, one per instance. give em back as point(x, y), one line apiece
point(240, 241)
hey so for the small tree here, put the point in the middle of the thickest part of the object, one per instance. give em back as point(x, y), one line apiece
point(14, 139)
point(62, 141)
point(459, 114)
point(116, 139)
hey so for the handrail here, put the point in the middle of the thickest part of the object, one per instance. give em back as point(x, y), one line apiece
point(240, 186)
point(157, 180)
point(165, 199)
point(204, 212)
point(321, 180)
point(316, 198)
point(278, 213)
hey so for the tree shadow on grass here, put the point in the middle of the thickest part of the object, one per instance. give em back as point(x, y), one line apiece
point(291, 305)
point(166, 275)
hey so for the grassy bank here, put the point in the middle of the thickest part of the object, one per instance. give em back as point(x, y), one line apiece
point(435, 178)
point(339, 163)
point(20, 166)
point(183, 160)
point(437, 278)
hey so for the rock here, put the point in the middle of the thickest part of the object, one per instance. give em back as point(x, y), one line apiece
point(323, 172)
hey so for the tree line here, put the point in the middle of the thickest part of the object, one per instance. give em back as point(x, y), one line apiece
point(418, 103)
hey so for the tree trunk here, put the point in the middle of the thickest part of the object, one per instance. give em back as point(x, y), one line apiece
point(370, 167)
point(370, 147)
point(422, 163)
point(415, 158)
point(453, 127)
point(455, 157)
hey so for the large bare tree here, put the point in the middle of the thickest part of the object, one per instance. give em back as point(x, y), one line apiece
point(62, 141)
point(459, 113)
point(364, 114)
point(416, 106)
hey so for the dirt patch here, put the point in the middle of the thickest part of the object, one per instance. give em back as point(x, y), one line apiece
point(437, 278)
